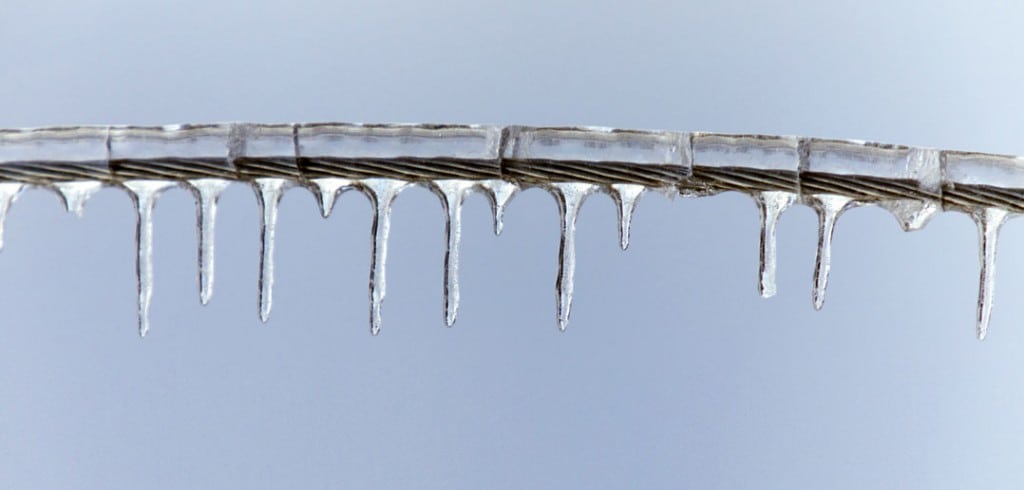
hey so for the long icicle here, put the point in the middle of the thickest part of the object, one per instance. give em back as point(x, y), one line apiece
point(268, 193)
point(625, 197)
point(144, 193)
point(206, 192)
point(8, 194)
point(828, 207)
point(990, 221)
point(570, 197)
point(771, 205)
point(382, 193)
point(453, 193)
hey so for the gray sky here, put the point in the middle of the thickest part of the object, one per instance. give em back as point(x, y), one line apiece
point(673, 372)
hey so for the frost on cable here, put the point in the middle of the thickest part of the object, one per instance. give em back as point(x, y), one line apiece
point(380, 160)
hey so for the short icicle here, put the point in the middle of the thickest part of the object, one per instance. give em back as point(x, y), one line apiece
point(453, 193)
point(828, 207)
point(570, 197)
point(499, 192)
point(626, 197)
point(328, 189)
point(771, 205)
point(9, 192)
point(76, 193)
point(989, 221)
point(382, 193)
point(144, 193)
point(268, 193)
point(206, 192)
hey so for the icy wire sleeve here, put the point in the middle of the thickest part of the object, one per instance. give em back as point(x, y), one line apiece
point(380, 160)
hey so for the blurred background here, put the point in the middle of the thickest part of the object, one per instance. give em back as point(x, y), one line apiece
point(673, 372)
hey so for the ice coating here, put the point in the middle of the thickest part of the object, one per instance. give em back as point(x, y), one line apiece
point(176, 141)
point(468, 142)
point(594, 144)
point(144, 194)
point(746, 151)
point(81, 145)
point(570, 199)
point(982, 169)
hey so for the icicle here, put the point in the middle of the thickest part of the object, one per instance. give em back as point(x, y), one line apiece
point(76, 193)
point(499, 192)
point(828, 207)
point(9, 192)
point(989, 221)
point(329, 188)
point(268, 192)
point(206, 192)
point(452, 193)
point(570, 197)
point(625, 196)
point(144, 193)
point(382, 193)
point(771, 205)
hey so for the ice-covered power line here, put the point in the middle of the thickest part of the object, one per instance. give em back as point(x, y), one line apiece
point(831, 176)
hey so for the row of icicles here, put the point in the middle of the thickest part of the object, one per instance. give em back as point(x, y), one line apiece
point(382, 193)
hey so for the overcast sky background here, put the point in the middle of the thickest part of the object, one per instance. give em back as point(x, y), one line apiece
point(673, 372)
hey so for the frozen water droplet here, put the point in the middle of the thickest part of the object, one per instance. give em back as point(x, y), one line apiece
point(206, 192)
point(771, 205)
point(911, 215)
point(382, 193)
point(328, 189)
point(828, 207)
point(9, 192)
point(268, 193)
point(76, 193)
point(453, 193)
point(144, 194)
point(570, 197)
point(626, 197)
point(989, 221)
point(499, 192)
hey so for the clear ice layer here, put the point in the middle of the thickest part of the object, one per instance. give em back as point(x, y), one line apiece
point(380, 160)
